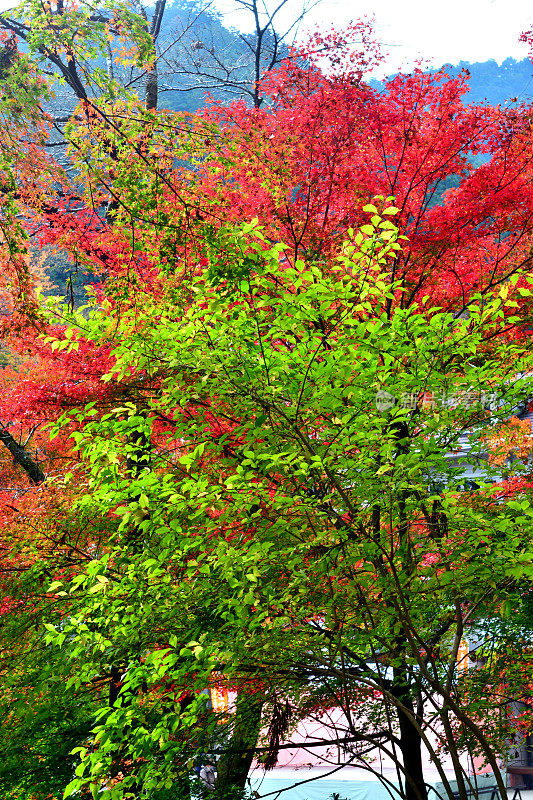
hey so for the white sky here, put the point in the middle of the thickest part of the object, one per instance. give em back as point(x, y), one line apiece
point(438, 31)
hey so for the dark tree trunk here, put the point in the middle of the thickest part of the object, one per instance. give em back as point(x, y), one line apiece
point(410, 739)
point(234, 765)
point(21, 456)
point(151, 89)
point(151, 86)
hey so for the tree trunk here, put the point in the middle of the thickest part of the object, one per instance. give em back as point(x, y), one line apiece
point(21, 456)
point(410, 739)
point(234, 765)
point(151, 86)
point(151, 89)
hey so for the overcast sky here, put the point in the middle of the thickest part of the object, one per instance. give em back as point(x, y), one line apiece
point(439, 31)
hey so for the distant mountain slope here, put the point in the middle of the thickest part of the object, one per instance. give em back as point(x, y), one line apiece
point(493, 83)
point(201, 55)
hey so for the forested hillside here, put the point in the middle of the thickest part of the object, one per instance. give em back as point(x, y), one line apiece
point(204, 58)
point(509, 82)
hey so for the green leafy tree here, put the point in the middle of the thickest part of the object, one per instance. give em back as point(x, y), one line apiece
point(301, 531)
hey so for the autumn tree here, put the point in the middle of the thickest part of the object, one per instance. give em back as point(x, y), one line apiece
point(333, 142)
